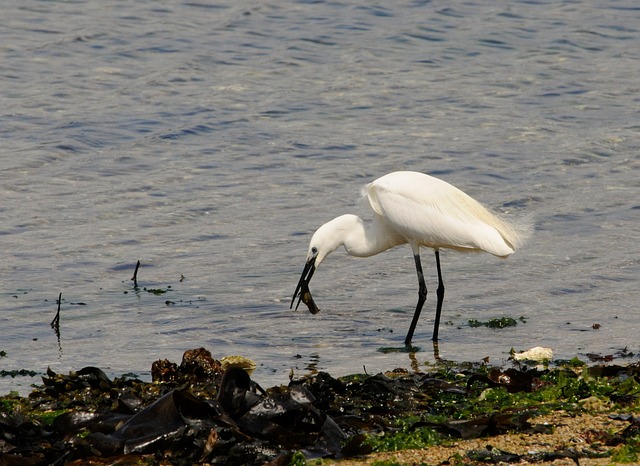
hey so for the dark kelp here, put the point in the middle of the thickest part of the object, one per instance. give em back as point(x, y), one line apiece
point(196, 412)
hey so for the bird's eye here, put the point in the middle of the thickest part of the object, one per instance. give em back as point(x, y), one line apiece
point(314, 250)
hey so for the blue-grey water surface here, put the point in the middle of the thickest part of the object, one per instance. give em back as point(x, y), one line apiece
point(210, 139)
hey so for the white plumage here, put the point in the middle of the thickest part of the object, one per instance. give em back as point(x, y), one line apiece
point(414, 208)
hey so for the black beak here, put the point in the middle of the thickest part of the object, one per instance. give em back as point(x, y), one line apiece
point(303, 283)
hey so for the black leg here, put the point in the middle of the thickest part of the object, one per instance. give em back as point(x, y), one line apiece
point(440, 295)
point(422, 297)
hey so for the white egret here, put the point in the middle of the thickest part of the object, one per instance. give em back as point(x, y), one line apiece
point(414, 208)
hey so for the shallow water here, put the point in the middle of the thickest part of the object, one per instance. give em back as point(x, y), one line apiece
point(210, 141)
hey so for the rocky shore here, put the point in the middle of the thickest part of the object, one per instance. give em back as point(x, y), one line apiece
point(210, 411)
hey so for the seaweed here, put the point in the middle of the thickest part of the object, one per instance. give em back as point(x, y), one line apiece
point(203, 411)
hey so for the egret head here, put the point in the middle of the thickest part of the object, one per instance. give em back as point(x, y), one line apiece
point(323, 242)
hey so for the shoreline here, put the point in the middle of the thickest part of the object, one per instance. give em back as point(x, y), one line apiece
point(464, 413)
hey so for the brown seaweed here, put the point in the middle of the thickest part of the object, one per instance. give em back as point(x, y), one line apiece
point(195, 413)
point(305, 297)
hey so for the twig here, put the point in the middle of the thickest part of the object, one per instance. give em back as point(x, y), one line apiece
point(55, 323)
point(135, 275)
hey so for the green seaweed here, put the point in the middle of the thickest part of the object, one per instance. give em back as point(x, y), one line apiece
point(47, 417)
point(297, 459)
point(17, 373)
point(156, 291)
point(629, 453)
point(408, 437)
point(499, 322)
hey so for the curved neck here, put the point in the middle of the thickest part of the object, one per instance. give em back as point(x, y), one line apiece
point(365, 241)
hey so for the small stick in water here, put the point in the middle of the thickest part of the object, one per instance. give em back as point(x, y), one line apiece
point(135, 275)
point(55, 323)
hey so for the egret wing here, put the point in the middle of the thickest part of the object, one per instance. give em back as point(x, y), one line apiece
point(433, 213)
